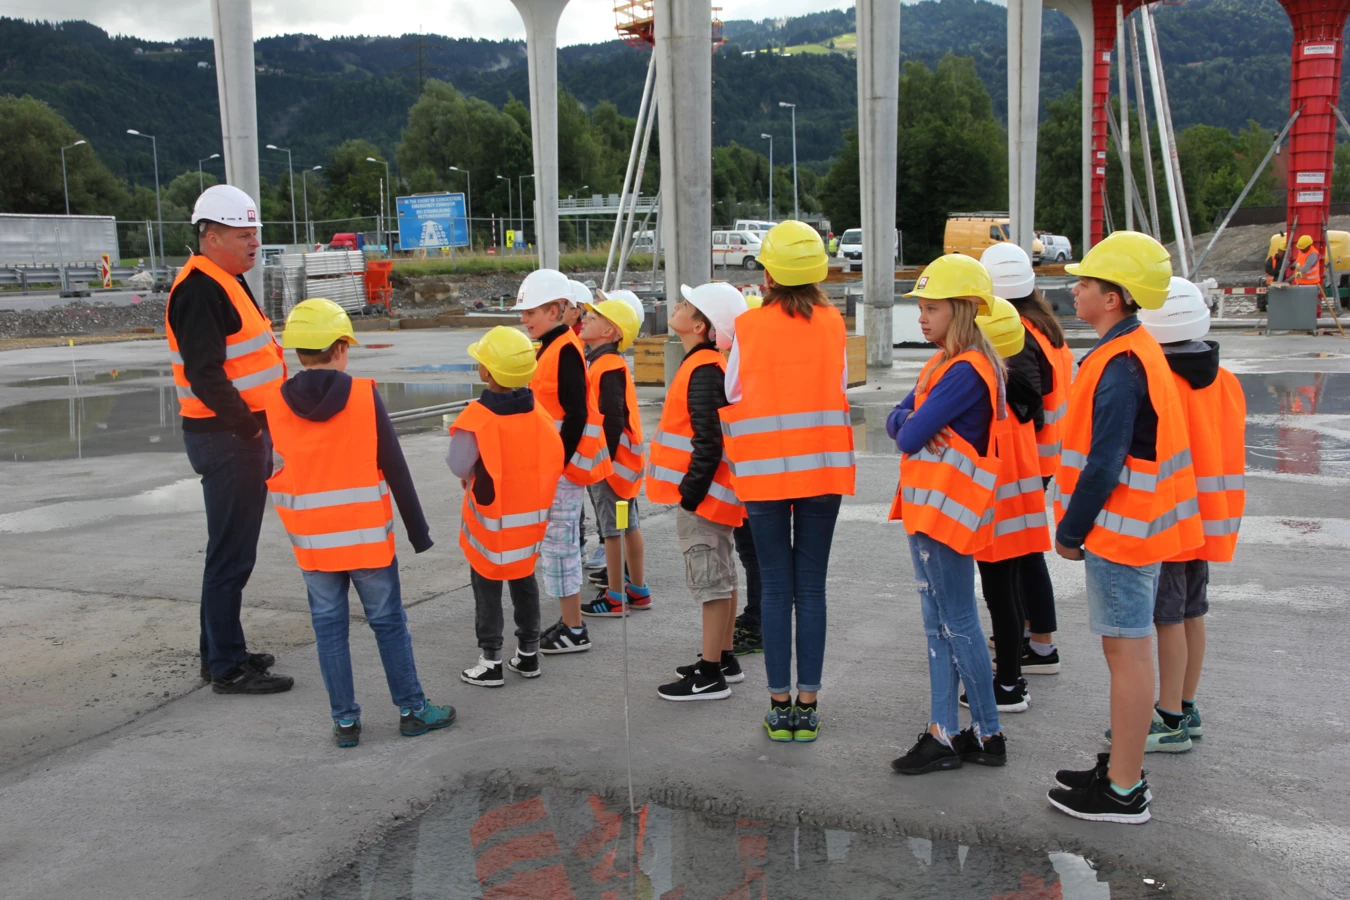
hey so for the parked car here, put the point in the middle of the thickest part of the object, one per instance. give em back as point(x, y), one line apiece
point(736, 248)
point(851, 249)
point(759, 225)
point(973, 233)
point(1057, 247)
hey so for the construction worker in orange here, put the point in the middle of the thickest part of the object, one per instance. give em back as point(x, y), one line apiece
point(509, 457)
point(1307, 263)
point(789, 442)
point(225, 366)
point(1216, 414)
point(1125, 501)
point(332, 494)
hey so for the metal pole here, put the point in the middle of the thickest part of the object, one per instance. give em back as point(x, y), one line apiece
point(1288, 254)
point(770, 137)
point(1132, 199)
point(1146, 142)
point(1126, 160)
point(1158, 104)
point(65, 186)
point(1169, 135)
point(295, 232)
point(201, 181)
point(304, 187)
point(637, 192)
point(159, 212)
point(630, 239)
point(656, 244)
point(638, 128)
point(796, 212)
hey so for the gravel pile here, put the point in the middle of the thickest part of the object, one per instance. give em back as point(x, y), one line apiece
point(82, 317)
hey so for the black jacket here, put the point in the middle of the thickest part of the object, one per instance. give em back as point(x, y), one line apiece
point(707, 394)
point(521, 400)
point(571, 391)
point(320, 394)
point(1195, 361)
point(613, 399)
point(1026, 376)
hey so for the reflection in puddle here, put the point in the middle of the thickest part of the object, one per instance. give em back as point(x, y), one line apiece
point(183, 496)
point(505, 842)
point(111, 376)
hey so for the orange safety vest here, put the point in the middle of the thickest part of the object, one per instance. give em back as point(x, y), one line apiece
point(673, 448)
point(1055, 400)
point(590, 463)
point(330, 493)
point(1216, 418)
point(1021, 525)
point(790, 435)
point(949, 496)
point(629, 459)
point(254, 362)
point(1152, 515)
point(1313, 277)
point(524, 456)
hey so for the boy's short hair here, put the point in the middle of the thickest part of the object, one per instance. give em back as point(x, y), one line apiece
point(318, 357)
point(1110, 287)
point(709, 332)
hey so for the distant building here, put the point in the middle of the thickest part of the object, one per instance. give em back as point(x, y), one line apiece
point(203, 65)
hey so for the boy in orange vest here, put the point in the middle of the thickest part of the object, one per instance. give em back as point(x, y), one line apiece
point(342, 461)
point(508, 457)
point(610, 327)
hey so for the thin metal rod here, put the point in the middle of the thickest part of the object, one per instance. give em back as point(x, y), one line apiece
point(630, 245)
point(627, 733)
point(1159, 104)
point(1132, 199)
point(637, 187)
point(1126, 161)
point(1146, 141)
point(656, 244)
point(644, 110)
point(1288, 252)
point(1170, 139)
point(423, 412)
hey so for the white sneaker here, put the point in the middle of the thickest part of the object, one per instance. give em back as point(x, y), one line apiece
point(486, 673)
point(597, 559)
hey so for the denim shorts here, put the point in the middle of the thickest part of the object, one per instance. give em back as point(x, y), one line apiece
point(1183, 592)
point(1120, 598)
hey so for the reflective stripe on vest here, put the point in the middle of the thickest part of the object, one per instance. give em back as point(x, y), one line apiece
point(505, 557)
point(1136, 480)
point(1216, 417)
point(589, 463)
point(257, 379)
point(1054, 398)
point(335, 539)
point(765, 424)
point(628, 460)
point(325, 499)
point(948, 507)
point(1054, 415)
point(1020, 523)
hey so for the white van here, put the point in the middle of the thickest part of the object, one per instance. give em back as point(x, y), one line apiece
point(736, 248)
point(851, 249)
point(758, 225)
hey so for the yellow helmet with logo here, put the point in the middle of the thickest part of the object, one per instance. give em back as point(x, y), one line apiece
point(622, 316)
point(507, 354)
point(953, 277)
point(1003, 327)
point(316, 324)
point(793, 253)
point(1305, 242)
point(1132, 260)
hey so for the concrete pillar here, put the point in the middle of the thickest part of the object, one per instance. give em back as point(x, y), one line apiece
point(232, 27)
point(683, 32)
point(1024, 103)
point(541, 40)
point(1080, 13)
point(878, 114)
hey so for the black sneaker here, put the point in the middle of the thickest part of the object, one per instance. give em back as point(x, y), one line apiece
point(731, 668)
point(347, 734)
point(697, 684)
point(257, 660)
point(600, 578)
point(559, 638)
point(606, 605)
point(485, 672)
point(1077, 779)
point(972, 749)
point(248, 679)
point(746, 642)
point(525, 664)
point(1008, 699)
point(1098, 801)
point(928, 755)
point(1035, 664)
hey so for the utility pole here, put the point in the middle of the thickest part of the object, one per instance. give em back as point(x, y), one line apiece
point(770, 139)
point(65, 186)
point(796, 213)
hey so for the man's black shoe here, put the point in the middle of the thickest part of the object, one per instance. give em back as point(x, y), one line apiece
point(928, 755)
point(746, 642)
point(257, 660)
point(972, 749)
point(248, 679)
point(1099, 802)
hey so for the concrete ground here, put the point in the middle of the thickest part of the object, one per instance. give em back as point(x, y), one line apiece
point(121, 776)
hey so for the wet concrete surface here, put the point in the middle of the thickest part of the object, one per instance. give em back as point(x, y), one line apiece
point(110, 788)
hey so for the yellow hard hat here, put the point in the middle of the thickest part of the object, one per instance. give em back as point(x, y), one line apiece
point(1278, 244)
point(754, 301)
point(953, 277)
point(507, 354)
point(793, 253)
point(315, 324)
point(1132, 260)
point(1003, 327)
point(1305, 242)
point(622, 316)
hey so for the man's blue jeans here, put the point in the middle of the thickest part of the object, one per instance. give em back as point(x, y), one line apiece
point(382, 599)
point(234, 474)
point(792, 541)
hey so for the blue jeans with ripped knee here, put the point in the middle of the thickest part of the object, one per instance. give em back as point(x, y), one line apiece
point(957, 653)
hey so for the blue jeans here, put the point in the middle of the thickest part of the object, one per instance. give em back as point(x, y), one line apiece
point(956, 650)
point(234, 474)
point(383, 602)
point(1120, 598)
point(792, 541)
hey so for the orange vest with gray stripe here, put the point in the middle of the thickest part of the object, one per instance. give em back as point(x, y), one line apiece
point(590, 464)
point(330, 493)
point(790, 435)
point(524, 457)
point(949, 495)
point(1055, 400)
point(1152, 515)
point(629, 459)
point(1021, 524)
point(1216, 419)
point(673, 448)
point(253, 359)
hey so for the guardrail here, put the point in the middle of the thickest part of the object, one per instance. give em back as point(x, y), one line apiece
point(601, 206)
point(24, 276)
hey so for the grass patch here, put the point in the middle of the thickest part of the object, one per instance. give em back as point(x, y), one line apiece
point(479, 264)
point(843, 43)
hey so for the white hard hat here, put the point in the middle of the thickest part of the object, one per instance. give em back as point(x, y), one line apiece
point(226, 204)
point(1184, 317)
point(1010, 267)
point(581, 295)
point(720, 303)
point(543, 286)
point(627, 297)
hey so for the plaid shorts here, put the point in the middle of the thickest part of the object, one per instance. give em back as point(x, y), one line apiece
point(560, 555)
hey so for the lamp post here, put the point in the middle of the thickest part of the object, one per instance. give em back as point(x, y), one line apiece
point(159, 214)
point(769, 138)
point(64, 185)
point(796, 213)
point(588, 219)
point(295, 232)
point(508, 206)
point(304, 187)
point(390, 188)
point(521, 181)
point(201, 181)
point(468, 199)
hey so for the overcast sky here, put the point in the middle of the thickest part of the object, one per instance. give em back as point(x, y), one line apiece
point(583, 22)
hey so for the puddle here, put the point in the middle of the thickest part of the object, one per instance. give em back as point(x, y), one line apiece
point(504, 842)
point(442, 367)
point(183, 496)
point(111, 376)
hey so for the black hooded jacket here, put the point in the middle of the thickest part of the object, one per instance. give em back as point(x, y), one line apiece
point(707, 394)
point(1195, 361)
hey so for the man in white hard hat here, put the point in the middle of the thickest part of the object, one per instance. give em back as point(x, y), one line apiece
point(226, 364)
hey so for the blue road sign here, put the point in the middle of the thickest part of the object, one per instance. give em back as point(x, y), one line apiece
point(429, 221)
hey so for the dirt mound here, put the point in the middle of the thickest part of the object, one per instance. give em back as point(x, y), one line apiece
point(1239, 257)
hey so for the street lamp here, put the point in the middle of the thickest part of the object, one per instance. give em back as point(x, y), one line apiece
point(390, 188)
point(508, 205)
point(521, 180)
point(159, 213)
point(295, 232)
point(201, 181)
point(304, 186)
point(468, 199)
point(769, 137)
point(64, 185)
point(796, 213)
